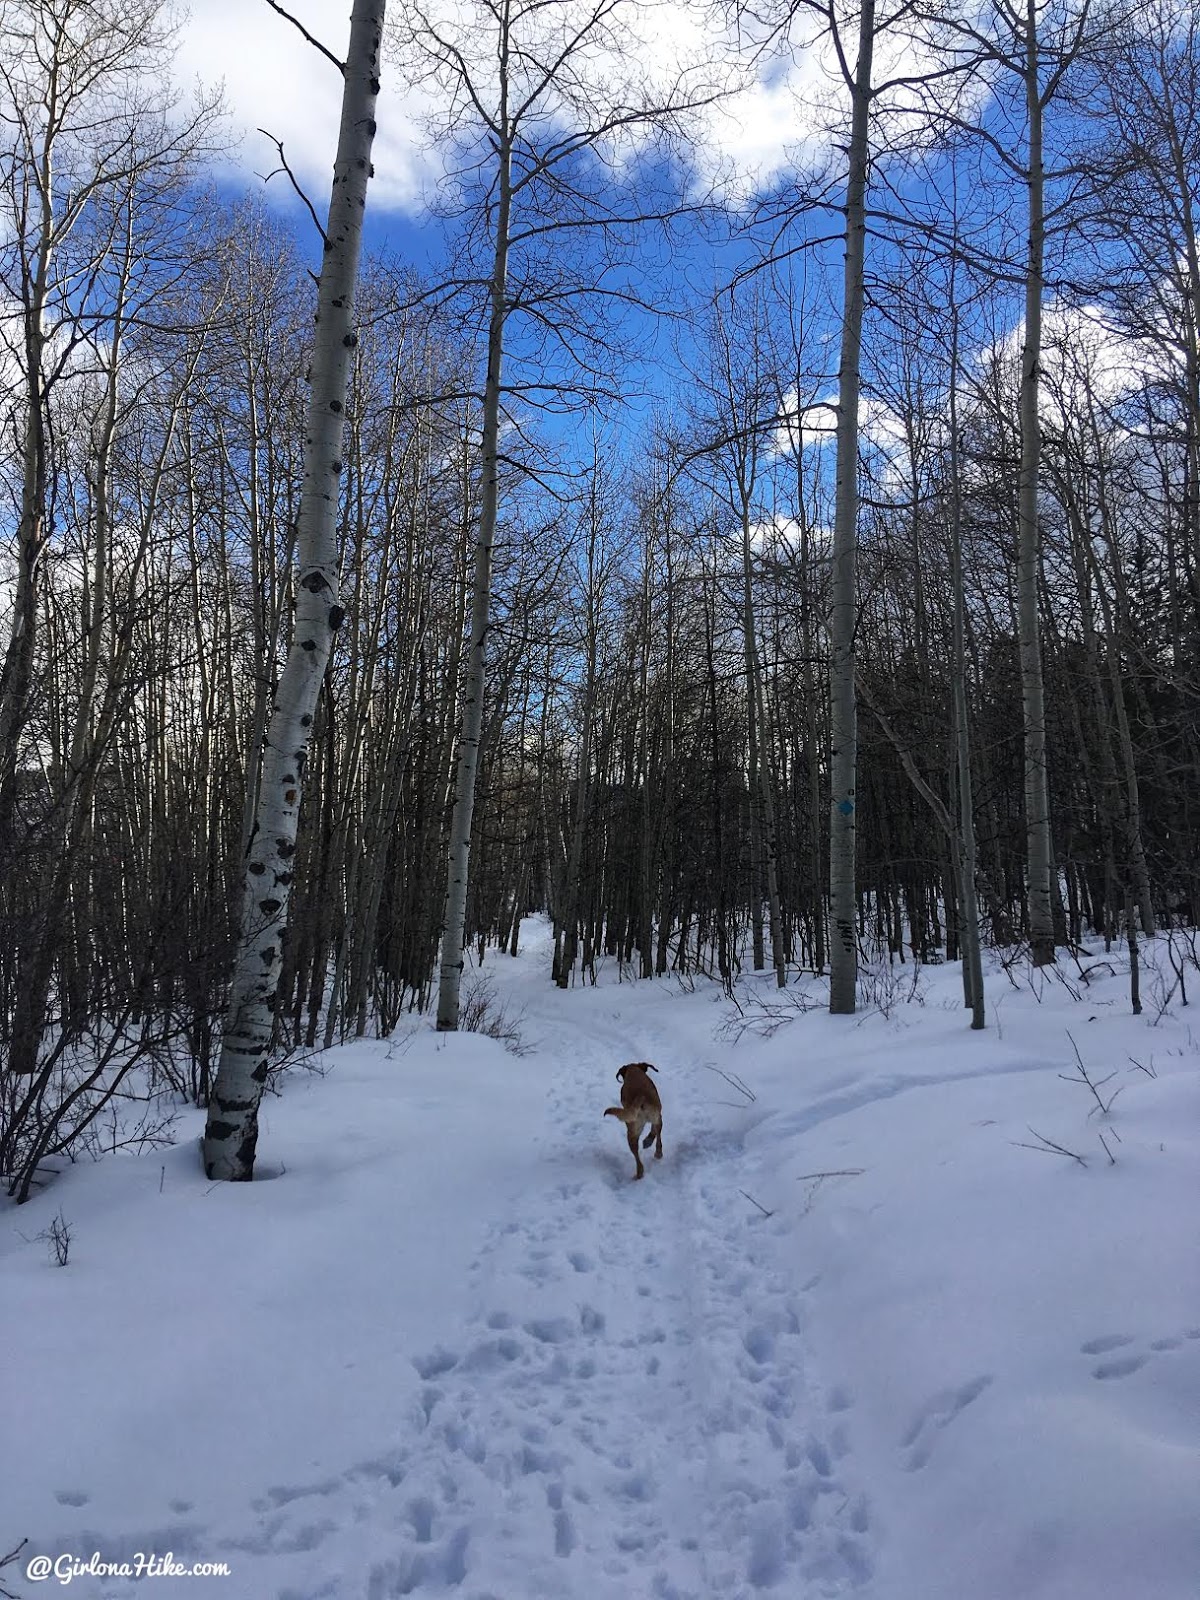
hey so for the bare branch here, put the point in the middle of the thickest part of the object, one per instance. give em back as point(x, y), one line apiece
point(316, 43)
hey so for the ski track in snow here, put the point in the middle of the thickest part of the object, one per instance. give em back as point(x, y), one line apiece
point(663, 1434)
point(663, 1439)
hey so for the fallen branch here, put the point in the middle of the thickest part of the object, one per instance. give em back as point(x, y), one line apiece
point(754, 1202)
point(732, 1080)
point(1048, 1147)
point(841, 1172)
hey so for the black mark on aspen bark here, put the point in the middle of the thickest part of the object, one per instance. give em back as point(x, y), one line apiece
point(245, 1152)
point(336, 617)
point(269, 907)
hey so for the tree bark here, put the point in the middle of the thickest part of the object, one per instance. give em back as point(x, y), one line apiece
point(1039, 850)
point(968, 860)
point(843, 759)
point(231, 1135)
point(454, 922)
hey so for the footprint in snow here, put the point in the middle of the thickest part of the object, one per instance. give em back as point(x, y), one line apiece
point(284, 1494)
point(445, 1567)
point(435, 1362)
point(1123, 1366)
point(938, 1413)
point(492, 1355)
point(391, 1468)
point(550, 1330)
point(1107, 1342)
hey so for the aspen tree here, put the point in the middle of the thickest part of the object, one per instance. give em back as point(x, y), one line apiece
point(231, 1135)
point(843, 754)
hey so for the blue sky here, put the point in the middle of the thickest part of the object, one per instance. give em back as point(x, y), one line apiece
point(769, 121)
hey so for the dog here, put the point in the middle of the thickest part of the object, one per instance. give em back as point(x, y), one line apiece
point(639, 1105)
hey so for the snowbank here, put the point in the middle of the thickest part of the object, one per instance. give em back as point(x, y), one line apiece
point(450, 1349)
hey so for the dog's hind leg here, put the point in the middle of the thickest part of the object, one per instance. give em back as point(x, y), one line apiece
point(655, 1134)
point(632, 1134)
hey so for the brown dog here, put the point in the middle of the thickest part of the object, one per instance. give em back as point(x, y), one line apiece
point(639, 1105)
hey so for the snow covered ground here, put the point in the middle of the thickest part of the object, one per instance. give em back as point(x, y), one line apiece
point(450, 1349)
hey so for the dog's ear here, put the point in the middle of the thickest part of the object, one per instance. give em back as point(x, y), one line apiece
point(651, 1066)
point(621, 1071)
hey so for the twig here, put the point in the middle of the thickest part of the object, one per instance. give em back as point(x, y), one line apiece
point(733, 1081)
point(1048, 1146)
point(1112, 1158)
point(754, 1202)
point(7, 1561)
point(1149, 1071)
point(1094, 1087)
point(316, 43)
point(291, 177)
point(842, 1172)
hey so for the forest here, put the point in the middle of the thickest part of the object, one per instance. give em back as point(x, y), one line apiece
point(792, 571)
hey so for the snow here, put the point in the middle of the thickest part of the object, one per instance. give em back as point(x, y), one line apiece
point(451, 1349)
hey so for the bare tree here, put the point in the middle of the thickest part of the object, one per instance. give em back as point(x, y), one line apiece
point(843, 751)
point(231, 1135)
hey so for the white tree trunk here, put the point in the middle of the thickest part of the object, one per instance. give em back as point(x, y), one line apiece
point(231, 1136)
point(843, 757)
point(1037, 789)
point(966, 852)
point(454, 925)
point(764, 834)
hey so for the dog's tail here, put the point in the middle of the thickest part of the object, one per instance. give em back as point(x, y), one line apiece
point(622, 1113)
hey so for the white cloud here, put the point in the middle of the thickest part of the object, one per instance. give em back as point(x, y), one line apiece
point(783, 536)
point(814, 423)
point(273, 79)
point(1083, 353)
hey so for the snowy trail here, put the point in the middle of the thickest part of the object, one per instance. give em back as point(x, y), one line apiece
point(614, 1419)
point(660, 1433)
point(457, 1353)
